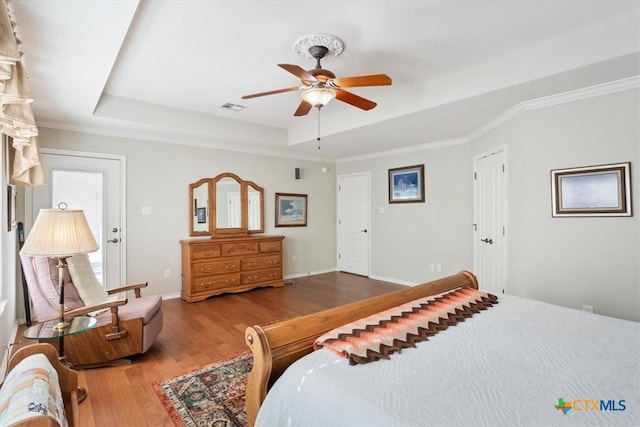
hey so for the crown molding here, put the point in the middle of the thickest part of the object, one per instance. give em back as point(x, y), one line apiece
point(188, 140)
point(196, 141)
point(557, 99)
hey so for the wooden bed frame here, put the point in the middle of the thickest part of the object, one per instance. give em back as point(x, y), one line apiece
point(278, 345)
point(67, 378)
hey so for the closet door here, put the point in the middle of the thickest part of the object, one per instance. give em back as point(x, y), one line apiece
point(353, 223)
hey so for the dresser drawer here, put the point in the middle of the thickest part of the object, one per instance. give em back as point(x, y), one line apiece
point(214, 282)
point(237, 249)
point(261, 262)
point(205, 251)
point(261, 276)
point(215, 267)
point(272, 246)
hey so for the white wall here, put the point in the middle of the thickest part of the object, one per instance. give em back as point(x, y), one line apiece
point(8, 292)
point(572, 261)
point(408, 237)
point(158, 175)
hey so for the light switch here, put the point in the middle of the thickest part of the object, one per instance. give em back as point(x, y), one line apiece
point(146, 210)
point(381, 210)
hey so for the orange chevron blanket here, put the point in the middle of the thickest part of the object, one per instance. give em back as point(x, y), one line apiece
point(377, 336)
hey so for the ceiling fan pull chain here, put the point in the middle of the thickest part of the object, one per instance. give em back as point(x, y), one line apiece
point(318, 138)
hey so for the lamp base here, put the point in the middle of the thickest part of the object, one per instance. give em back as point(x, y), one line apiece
point(61, 326)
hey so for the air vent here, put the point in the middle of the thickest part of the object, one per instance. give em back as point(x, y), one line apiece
point(232, 107)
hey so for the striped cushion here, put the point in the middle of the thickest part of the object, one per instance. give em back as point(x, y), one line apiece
point(377, 336)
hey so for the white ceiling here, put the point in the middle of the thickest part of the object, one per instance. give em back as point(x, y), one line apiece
point(160, 70)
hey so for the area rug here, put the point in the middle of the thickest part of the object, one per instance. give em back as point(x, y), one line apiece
point(212, 396)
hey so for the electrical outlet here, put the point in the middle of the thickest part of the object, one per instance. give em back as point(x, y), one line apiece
point(587, 308)
point(167, 273)
point(438, 267)
point(431, 267)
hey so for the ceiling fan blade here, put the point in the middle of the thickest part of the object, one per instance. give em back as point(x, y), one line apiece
point(272, 92)
point(298, 72)
point(355, 100)
point(303, 109)
point(372, 80)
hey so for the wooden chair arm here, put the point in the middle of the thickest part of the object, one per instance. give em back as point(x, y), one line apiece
point(135, 287)
point(83, 311)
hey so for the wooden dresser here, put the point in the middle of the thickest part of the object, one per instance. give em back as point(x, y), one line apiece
point(233, 264)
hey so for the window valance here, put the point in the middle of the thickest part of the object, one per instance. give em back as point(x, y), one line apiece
point(16, 114)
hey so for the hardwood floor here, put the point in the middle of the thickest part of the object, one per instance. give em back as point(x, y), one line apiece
point(198, 334)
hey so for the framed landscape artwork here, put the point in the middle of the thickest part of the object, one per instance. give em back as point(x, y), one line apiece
point(603, 190)
point(291, 210)
point(406, 184)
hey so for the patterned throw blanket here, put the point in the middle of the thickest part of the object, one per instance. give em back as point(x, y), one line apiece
point(31, 390)
point(377, 336)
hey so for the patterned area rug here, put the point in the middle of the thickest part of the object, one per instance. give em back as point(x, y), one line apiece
point(212, 396)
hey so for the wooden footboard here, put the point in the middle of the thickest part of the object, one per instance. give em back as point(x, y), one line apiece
point(278, 345)
point(67, 378)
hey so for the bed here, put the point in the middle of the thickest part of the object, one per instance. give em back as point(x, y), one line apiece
point(519, 362)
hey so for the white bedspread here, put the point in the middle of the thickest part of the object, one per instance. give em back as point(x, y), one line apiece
point(507, 366)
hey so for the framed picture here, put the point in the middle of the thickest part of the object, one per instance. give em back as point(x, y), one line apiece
point(592, 191)
point(201, 213)
point(291, 210)
point(406, 185)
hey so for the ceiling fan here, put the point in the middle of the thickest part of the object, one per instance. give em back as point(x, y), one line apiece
point(320, 85)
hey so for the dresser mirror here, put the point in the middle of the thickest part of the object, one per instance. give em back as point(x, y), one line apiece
point(226, 206)
point(199, 222)
point(255, 201)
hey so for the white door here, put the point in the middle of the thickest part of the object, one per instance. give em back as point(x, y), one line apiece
point(93, 184)
point(490, 225)
point(353, 223)
point(233, 210)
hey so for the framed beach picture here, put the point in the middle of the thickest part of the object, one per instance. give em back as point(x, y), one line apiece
point(201, 213)
point(406, 184)
point(603, 190)
point(291, 210)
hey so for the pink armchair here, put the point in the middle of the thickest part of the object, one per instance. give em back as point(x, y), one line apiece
point(125, 327)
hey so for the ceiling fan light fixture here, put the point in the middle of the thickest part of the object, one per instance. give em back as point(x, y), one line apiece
point(318, 96)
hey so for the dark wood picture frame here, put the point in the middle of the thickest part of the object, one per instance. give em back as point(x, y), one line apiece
point(406, 184)
point(603, 190)
point(291, 210)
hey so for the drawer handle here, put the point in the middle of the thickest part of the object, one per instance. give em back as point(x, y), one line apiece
point(230, 267)
point(230, 281)
point(252, 264)
point(205, 270)
point(252, 278)
point(207, 253)
point(273, 262)
point(206, 285)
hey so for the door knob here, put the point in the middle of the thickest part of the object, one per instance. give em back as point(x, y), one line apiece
point(489, 241)
point(363, 231)
point(114, 240)
point(114, 230)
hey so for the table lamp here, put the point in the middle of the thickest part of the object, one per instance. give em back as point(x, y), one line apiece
point(60, 233)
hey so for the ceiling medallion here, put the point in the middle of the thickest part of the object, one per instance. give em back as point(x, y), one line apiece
point(332, 43)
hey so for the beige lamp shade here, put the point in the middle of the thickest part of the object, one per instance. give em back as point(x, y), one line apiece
point(59, 233)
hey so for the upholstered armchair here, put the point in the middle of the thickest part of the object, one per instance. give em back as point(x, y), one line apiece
point(125, 326)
